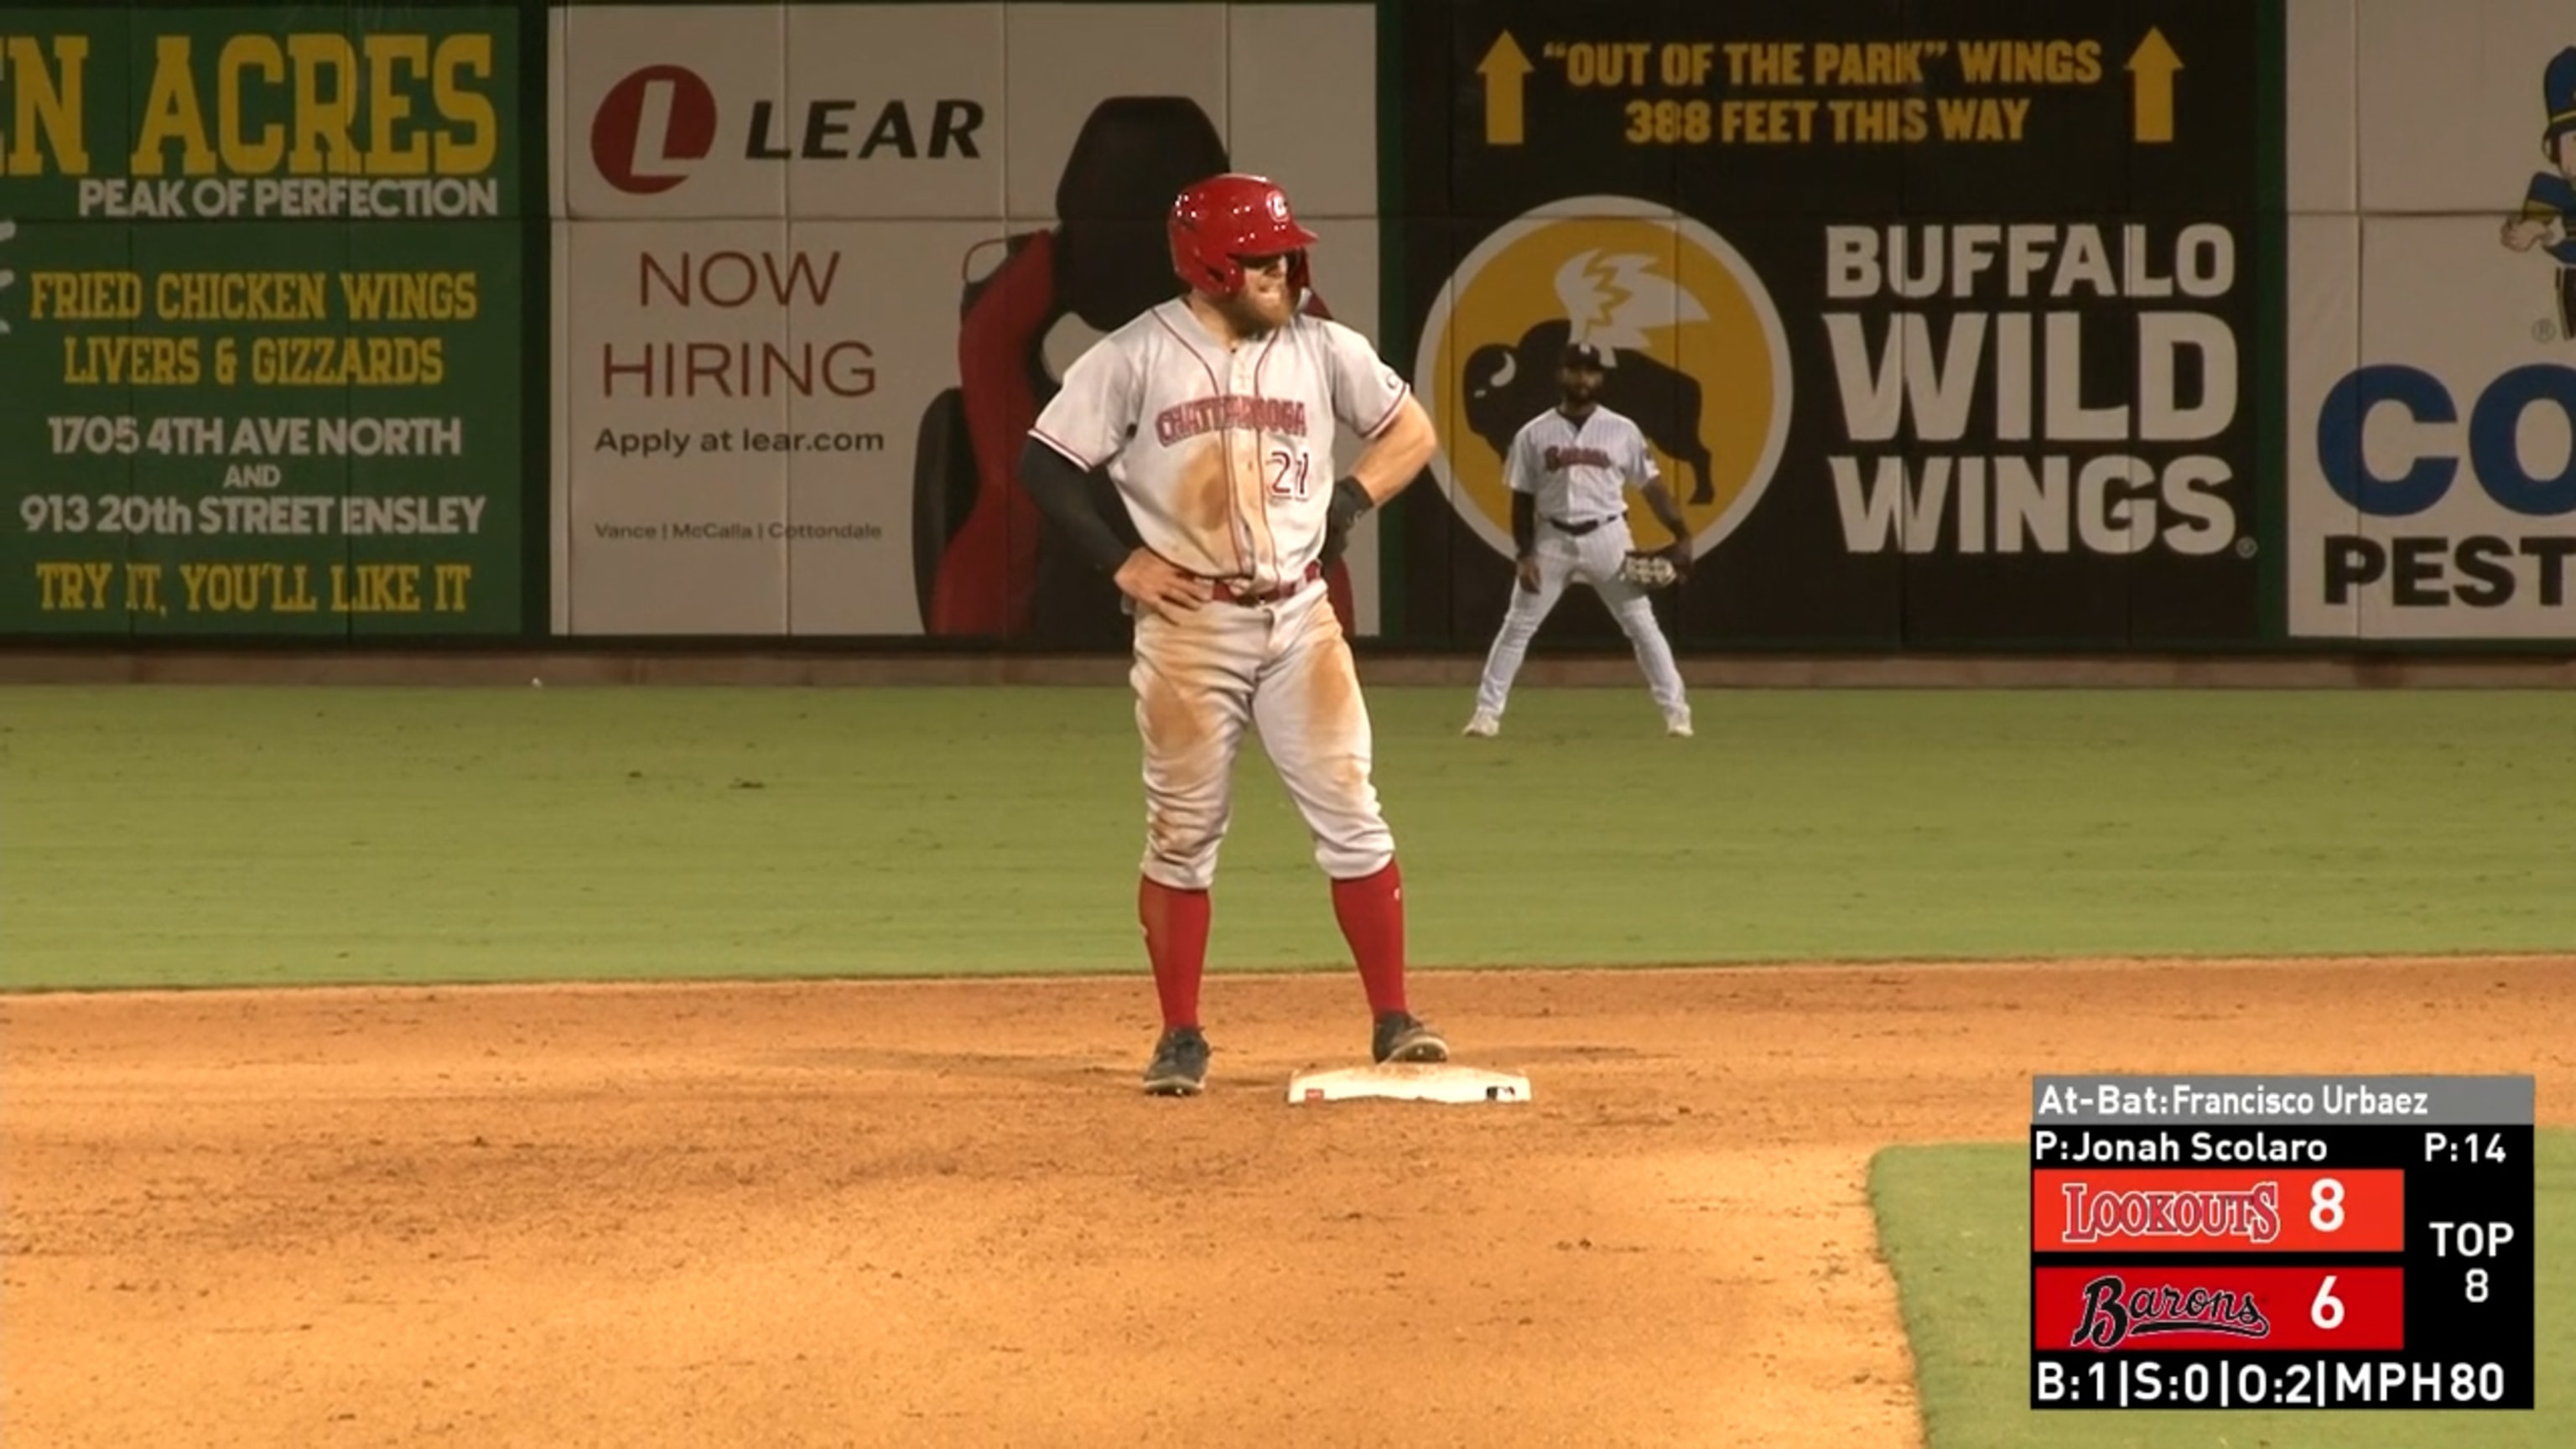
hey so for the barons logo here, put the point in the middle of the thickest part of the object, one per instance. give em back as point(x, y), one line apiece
point(2114, 1314)
point(1694, 348)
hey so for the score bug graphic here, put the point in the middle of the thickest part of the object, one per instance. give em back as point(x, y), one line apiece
point(2281, 1243)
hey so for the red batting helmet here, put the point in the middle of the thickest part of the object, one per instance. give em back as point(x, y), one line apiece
point(1228, 217)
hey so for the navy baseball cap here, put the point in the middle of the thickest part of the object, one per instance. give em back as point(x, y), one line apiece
point(1581, 354)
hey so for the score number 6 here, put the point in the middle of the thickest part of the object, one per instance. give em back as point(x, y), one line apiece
point(2327, 1311)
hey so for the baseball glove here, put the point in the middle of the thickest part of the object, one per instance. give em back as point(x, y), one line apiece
point(1653, 569)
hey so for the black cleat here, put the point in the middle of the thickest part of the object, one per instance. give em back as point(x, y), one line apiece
point(1179, 1067)
point(1400, 1037)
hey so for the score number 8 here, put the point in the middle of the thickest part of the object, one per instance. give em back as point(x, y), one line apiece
point(2325, 1205)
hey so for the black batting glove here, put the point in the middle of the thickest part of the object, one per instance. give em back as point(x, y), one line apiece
point(1350, 500)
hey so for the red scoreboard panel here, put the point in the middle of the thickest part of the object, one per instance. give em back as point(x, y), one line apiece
point(2281, 1242)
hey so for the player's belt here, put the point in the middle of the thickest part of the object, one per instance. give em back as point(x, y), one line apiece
point(1233, 591)
point(1577, 530)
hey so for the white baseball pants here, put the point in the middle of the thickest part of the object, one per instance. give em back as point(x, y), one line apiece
point(1593, 559)
point(1284, 668)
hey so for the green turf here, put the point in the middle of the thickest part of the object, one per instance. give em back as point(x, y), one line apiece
point(1954, 1224)
point(194, 835)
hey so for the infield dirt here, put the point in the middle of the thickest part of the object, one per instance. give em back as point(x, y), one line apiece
point(882, 1213)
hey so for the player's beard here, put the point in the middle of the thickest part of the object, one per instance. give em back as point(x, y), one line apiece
point(1265, 304)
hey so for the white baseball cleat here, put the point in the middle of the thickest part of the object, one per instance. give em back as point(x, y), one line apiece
point(1483, 726)
point(1678, 724)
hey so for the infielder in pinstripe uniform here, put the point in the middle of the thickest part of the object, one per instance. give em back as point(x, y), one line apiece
point(1569, 471)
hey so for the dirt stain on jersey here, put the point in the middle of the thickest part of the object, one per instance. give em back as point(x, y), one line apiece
point(1205, 508)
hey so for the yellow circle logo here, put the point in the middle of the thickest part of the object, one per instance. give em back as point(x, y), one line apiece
point(1692, 346)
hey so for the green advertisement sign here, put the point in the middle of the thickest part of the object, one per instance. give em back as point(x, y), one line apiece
point(260, 322)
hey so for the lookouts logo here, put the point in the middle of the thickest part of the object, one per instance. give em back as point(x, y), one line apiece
point(2253, 1213)
point(1693, 344)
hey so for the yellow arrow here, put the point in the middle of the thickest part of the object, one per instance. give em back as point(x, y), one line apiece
point(1504, 68)
point(2152, 66)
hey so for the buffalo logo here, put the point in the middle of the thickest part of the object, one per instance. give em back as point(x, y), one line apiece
point(2114, 1313)
point(648, 124)
point(1691, 344)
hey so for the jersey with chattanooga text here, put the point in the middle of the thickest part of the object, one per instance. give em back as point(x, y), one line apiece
point(1580, 471)
point(1225, 460)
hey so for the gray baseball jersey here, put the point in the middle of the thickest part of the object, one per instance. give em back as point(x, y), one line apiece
point(1225, 460)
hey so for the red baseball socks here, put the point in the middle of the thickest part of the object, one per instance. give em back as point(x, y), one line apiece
point(1371, 911)
point(1176, 938)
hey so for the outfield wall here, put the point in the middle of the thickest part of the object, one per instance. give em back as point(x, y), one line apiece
point(2181, 327)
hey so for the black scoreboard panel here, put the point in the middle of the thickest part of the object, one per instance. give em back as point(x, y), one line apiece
point(2282, 1243)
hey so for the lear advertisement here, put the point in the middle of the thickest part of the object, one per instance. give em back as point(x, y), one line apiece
point(742, 403)
point(818, 267)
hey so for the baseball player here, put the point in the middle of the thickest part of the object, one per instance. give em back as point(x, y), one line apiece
point(1215, 415)
point(1569, 469)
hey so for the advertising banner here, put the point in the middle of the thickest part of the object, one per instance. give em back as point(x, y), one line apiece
point(260, 321)
point(1941, 318)
point(819, 266)
point(2432, 369)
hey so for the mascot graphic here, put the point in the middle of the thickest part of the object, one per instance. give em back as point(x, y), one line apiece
point(2548, 216)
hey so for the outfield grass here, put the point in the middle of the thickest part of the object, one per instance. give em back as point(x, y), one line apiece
point(1954, 1224)
point(170, 836)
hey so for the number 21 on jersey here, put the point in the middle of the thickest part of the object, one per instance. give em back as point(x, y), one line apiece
point(1287, 470)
